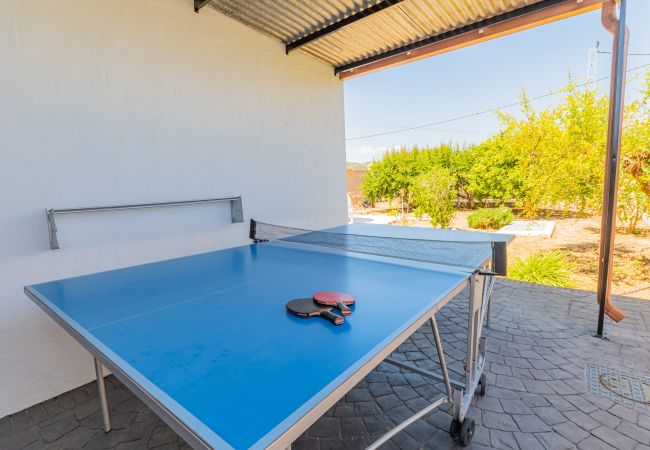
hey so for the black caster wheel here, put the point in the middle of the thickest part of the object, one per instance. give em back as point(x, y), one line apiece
point(454, 429)
point(462, 432)
point(481, 388)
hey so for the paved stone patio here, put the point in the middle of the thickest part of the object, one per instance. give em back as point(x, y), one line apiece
point(538, 348)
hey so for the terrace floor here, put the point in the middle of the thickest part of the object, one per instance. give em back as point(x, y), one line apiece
point(539, 350)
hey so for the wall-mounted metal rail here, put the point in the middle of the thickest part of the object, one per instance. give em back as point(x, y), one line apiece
point(236, 212)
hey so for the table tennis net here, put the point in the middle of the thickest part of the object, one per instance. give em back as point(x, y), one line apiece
point(469, 256)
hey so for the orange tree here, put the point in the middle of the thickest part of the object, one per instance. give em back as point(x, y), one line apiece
point(549, 158)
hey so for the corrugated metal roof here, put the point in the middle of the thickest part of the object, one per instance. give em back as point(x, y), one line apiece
point(403, 23)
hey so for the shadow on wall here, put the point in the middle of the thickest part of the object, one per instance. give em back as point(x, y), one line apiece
point(107, 228)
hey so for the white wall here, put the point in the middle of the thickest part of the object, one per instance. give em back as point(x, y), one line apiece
point(128, 101)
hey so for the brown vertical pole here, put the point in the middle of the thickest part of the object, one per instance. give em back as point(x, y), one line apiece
point(617, 27)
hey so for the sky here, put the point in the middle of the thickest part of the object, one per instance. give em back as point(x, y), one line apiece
point(483, 77)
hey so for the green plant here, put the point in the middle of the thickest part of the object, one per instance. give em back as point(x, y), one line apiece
point(634, 184)
point(632, 204)
point(490, 218)
point(434, 193)
point(551, 268)
point(540, 159)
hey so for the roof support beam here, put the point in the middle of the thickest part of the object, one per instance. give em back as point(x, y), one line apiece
point(340, 24)
point(520, 19)
point(198, 4)
point(616, 26)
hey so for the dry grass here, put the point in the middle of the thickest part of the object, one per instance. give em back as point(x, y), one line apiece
point(578, 238)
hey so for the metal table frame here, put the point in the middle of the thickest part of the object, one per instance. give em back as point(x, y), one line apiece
point(459, 394)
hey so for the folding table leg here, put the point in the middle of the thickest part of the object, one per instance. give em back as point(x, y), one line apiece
point(459, 394)
point(441, 358)
point(439, 400)
point(101, 387)
point(488, 322)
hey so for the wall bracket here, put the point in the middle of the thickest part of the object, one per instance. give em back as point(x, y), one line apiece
point(236, 212)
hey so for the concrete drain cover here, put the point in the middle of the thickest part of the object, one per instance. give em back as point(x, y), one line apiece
point(628, 388)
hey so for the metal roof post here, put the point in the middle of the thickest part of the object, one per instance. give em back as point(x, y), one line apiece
point(617, 27)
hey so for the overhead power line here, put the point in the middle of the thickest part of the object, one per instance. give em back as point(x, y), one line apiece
point(478, 113)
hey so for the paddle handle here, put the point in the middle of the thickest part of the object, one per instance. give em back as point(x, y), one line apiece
point(345, 310)
point(334, 318)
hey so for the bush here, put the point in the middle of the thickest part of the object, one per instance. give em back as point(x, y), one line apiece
point(490, 218)
point(551, 269)
point(434, 193)
point(633, 203)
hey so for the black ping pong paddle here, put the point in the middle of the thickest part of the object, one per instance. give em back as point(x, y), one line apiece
point(305, 307)
point(340, 300)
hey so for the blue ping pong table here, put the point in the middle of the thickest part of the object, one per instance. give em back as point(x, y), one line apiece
point(206, 343)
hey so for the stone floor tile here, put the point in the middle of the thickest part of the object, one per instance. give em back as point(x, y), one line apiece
point(515, 407)
point(503, 439)
point(326, 427)
point(593, 443)
point(164, 435)
point(534, 400)
point(358, 395)
point(6, 426)
point(399, 413)
point(55, 430)
point(37, 413)
point(613, 437)
point(347, 409)
point(635, 432)
point(624, 413)
point(52, 407)
point(353, 427)
point(571, 432)
point(528, 441)
point(644, 421)
point(606, 419)
point(489, 404)
point(530, 423)
point(77, 439)
point(582, 420)
point(305, 443)
point(481, 436)
point(499, 421)
point(440, 440)
point(19, 438)
point(378, 389)
point(376, 424)
point(582, 403)
point(559, 402)
point(388, 401)
point(553, 441)
point(21, 420)
point(549, 415)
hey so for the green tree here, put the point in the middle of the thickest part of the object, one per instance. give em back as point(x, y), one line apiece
point(634, 179)
point(551, 158)
point(434, 193)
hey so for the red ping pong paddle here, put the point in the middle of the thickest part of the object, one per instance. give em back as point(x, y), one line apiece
point(340, 300)
point(305, 307)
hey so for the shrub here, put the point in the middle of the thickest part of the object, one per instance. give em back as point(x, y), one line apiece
point(551, 269)
point(632, 204)
point(434, 193)
point(490, 218)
